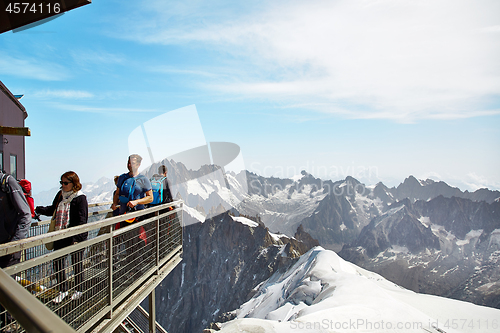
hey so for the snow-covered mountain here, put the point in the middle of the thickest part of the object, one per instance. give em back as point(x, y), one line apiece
point(224, 258)
point(324, 293)
point(444, 246)
point(282, 204)
point(423, 235)
point(336, 212)
point(415, 189)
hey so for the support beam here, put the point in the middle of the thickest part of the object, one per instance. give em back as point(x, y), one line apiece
point(21, 131)
point(122, 311)
point(152, 312)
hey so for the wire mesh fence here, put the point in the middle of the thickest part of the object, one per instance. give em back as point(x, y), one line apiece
point(82, 282)
point(42, 227)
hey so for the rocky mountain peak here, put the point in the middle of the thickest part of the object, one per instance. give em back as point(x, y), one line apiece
point(224, 259)
point(351, 180)
point(399, 226)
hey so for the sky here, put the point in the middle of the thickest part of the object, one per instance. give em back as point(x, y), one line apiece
point(376, 89)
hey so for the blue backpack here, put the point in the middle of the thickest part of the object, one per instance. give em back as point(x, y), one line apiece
point(157, 186)
point(127, 190)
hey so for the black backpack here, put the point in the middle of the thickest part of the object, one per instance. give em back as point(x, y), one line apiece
point(4, 180)
point(8, 212)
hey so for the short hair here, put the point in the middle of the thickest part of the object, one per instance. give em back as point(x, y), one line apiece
point(162, 169)
point(73, 177)
point(137, 157)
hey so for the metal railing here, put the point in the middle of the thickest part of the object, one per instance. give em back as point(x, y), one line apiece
point(42, 227)
point(93, 284)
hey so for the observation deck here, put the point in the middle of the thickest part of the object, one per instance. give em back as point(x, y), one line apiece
point(108, 276)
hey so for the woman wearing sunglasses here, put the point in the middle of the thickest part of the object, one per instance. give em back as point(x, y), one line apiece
point(69, 209)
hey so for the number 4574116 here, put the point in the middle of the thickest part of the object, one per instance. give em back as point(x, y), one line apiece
point(28, 7)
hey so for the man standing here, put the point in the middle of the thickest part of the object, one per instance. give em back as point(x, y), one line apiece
point(133, 190)
point(15, 216)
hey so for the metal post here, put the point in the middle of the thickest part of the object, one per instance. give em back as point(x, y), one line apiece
point(152, 312)
point(110, 272)
point(157, 226)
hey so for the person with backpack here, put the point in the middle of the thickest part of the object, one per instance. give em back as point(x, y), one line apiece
point(15, 221)
point(162, 195)
point(15, 216)
point(133, 192)
point(161, 187)
point(69, 209)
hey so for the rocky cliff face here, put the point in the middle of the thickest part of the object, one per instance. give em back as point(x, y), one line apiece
point(414, 189)
point(446, 246)
point(336, 212)
point(282, 203)
point(339, 218)
point(223, 261)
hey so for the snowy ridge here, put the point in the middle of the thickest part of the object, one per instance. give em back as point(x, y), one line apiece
point(364, 206)
point(245, 221)
point(281, 211)
point(192, 214)
point(324, 293)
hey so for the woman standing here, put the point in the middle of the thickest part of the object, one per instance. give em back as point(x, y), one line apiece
point(69, 209)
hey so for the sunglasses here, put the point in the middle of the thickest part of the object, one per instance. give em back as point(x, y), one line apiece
point(64, 183)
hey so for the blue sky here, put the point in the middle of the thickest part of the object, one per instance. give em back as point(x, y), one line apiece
point(378, 89)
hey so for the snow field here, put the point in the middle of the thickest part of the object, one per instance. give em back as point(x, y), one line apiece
point(324, 293)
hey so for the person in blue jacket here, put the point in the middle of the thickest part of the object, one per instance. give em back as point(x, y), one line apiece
point(133, 190)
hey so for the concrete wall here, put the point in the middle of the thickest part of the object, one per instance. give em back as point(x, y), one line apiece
point(12, 114)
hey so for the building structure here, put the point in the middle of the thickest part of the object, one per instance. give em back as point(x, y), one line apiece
point(12, 133)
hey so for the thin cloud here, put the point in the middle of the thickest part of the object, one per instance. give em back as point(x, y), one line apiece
point(475, 182)
point(64, 94)
point(173, 70)
point(493, 29)
point(97, 109)
point(94, 57)
point(399, 60)
point(32, 68)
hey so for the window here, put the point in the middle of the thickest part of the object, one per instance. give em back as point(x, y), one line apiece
point(13, 166)
point(1, 161)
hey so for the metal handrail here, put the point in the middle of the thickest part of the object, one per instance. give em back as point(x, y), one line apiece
point(16, 246)
point(100, 212)
point(104, 256)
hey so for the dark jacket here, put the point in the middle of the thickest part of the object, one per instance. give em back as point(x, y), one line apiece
point(78, 215)
point(15, 214)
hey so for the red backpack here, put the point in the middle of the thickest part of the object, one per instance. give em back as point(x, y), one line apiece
point(26, 186)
